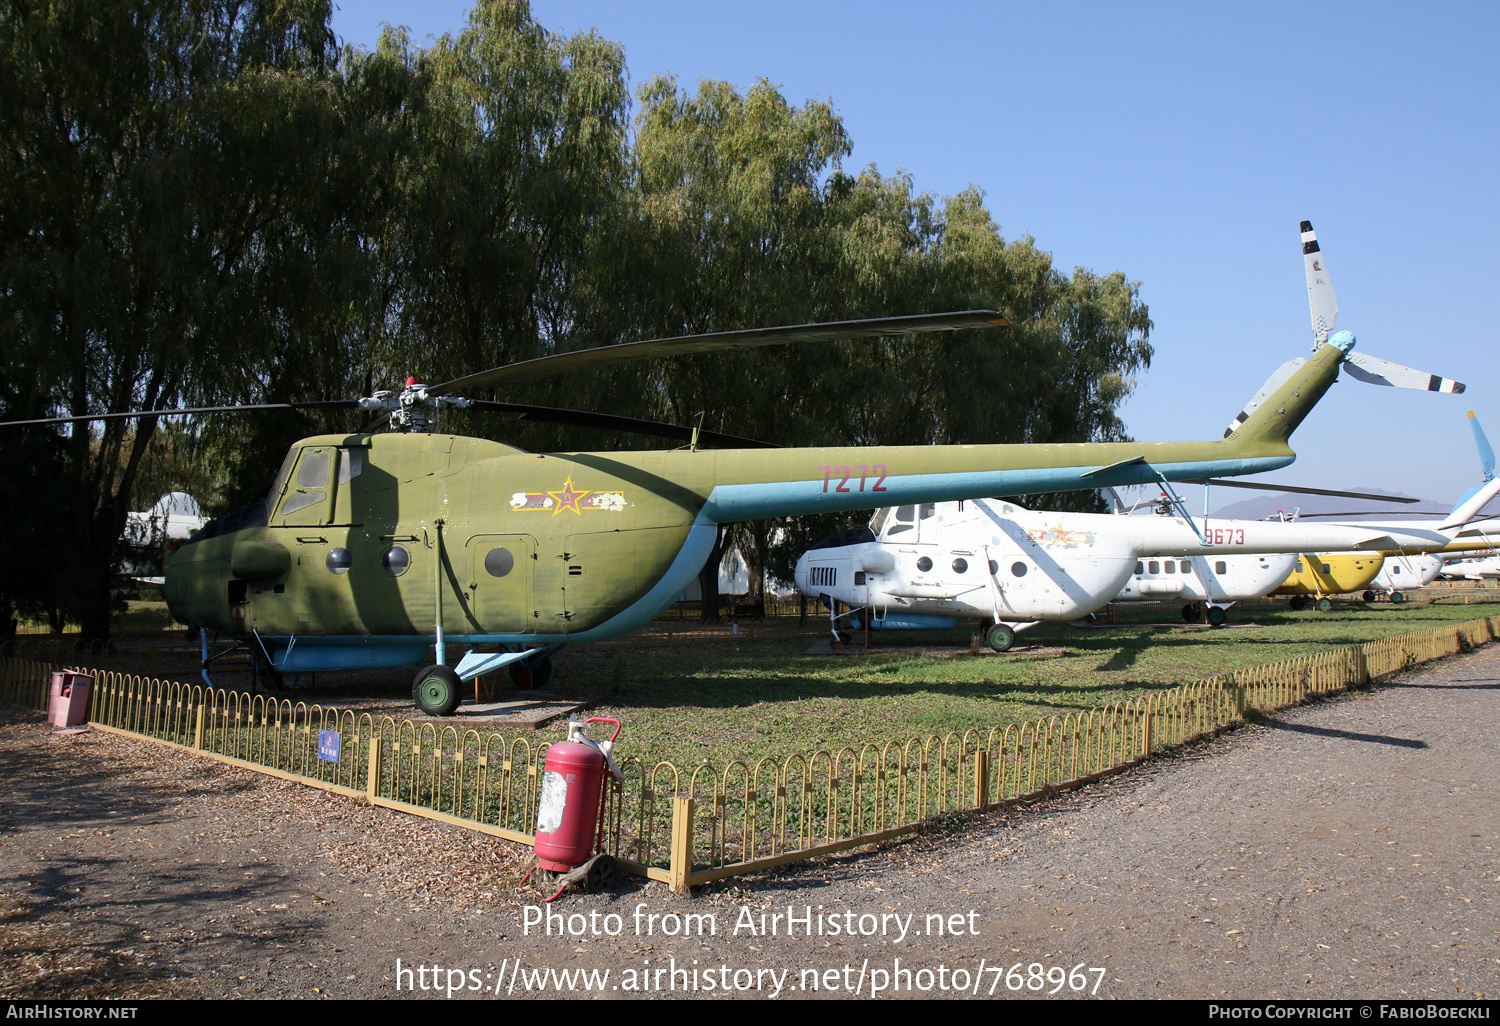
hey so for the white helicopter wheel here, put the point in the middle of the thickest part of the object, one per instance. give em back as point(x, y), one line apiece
point(1000, 637)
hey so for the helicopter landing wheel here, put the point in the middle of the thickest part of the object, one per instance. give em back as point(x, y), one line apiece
point(1298, 603)
point(1000, 637)
point(436, 691)
point(1368, 596)
point(1397, 597)
point(531, 673)
point(1217, 616)
point(1324, 605)
point(1190, 612)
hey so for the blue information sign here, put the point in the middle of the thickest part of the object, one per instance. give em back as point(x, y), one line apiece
point(330, 743)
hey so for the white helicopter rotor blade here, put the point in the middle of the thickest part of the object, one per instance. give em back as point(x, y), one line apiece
point(1320, 298)
point(1275, 381)
point(1375, 371)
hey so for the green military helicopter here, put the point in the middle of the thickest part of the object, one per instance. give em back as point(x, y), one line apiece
point(373, 548)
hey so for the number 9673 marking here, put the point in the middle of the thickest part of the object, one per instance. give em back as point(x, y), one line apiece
point(865, 471)
point(1224, 536)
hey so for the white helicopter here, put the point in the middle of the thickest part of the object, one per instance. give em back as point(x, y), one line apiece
point(1473, 569)
point(931, 565)
point(912, 574)
point(166, 525)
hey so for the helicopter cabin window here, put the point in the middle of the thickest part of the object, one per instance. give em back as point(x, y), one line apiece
point(1018, 569)
point(994, 568)
point(1187, 567)
point(1140, 568)
point(960, 566)
point(339, 560)
point(1153, 567)
point(924, 564)
point(1220, 568)
point(395, 560)
point(1325, 568)
point(499, 562)
point(1171, 567)
point(1299, 566)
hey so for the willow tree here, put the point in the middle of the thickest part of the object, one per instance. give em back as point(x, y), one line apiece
point(152, 154)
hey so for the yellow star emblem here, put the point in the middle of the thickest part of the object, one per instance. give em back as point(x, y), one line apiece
point(568, 498)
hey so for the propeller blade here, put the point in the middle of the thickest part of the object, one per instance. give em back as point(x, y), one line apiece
point(600, 356)
point(1264, 486)
point(335, 404)
point(1275, 381)
point(1375, 371)
point(609, 422)
point(1320, 298)
point(1486, 454)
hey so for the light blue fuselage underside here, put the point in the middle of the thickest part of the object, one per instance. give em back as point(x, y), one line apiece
point(733, 503)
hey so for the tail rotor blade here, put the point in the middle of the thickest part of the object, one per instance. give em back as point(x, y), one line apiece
point(1320, 298)
point(1375, 371)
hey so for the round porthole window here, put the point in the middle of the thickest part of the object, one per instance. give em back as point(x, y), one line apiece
point(499, 562)
point(395, 560)
point(1019, 569)
point(994, 568)
point(960, 566)
point(338, 562)
point(924, 564)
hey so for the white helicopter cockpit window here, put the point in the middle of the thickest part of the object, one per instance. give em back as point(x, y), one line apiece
point(878, 520)
point(904, 520)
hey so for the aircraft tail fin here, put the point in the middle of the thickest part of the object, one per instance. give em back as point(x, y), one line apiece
point(1486, 464)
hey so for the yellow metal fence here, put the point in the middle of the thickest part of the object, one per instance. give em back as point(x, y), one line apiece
point(692, 826)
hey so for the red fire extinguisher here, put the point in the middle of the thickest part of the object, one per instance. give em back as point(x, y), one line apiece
point(573, 795)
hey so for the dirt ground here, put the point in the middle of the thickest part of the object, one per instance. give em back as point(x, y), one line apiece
point(1341, 850)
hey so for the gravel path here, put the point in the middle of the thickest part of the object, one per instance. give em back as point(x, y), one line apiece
point(1341, 850)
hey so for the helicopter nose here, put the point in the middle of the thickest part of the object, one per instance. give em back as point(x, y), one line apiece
point(799, 574)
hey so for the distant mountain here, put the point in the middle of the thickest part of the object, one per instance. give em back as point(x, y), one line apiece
point(1260, 505)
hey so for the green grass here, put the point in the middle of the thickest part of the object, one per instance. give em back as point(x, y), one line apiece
point(710, 695)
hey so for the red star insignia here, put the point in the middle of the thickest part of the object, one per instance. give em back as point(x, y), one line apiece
point(568, 498)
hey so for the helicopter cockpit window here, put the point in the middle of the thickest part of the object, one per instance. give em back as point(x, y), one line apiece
point(906, 518)
point(312, 482)
point(927, 509)
point(351, 462)
point(878, 520)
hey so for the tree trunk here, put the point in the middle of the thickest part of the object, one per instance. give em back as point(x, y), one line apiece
point(708, 578)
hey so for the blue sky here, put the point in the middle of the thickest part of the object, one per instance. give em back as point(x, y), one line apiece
point(1181, 144)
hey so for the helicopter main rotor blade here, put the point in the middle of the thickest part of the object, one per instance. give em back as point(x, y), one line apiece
point(600, 356)
point(1267, 487)
point(609, 422)
point(335, 404)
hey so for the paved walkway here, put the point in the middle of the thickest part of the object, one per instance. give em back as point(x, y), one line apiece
point(1343, 850)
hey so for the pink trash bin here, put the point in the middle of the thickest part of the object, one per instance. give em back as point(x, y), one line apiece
point(70, 698)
